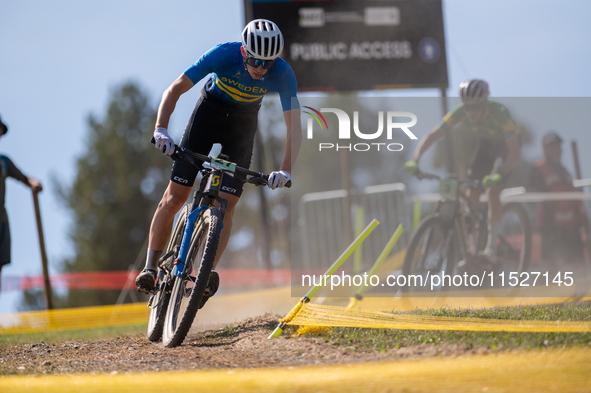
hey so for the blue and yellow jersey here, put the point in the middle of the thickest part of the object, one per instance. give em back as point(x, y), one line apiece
point(498, 125)
point(231, 83)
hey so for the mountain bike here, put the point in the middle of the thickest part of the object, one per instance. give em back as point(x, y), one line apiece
point(457, 231)
point(185, 266)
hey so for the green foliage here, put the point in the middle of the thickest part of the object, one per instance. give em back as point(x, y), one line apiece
point(120, 178)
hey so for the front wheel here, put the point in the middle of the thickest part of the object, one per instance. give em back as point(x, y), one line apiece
point(188, 289)
point(430, 252)
point(514, 241)
point(159, 301)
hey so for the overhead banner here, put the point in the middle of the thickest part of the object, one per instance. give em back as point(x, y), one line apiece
point(360, 45)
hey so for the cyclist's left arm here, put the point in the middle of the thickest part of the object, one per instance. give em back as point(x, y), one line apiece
point(287, 89)
point(293, 141)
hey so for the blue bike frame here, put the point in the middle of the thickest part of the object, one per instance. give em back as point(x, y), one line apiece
point(211, 191)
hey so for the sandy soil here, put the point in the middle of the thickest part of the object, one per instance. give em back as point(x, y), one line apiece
point(241, 345)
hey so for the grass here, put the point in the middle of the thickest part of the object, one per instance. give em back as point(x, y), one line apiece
point(382, 340)
point(554, 312)
point(72, 335)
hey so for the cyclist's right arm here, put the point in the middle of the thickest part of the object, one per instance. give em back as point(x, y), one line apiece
point(207, 63)
point(426, 142)
point(448, 122)
point(170, 97)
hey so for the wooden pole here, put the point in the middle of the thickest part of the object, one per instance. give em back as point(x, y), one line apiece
point(573, 146)
point(46, 282)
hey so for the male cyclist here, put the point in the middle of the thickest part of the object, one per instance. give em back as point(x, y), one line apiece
point(497, 154)
point(226, 113)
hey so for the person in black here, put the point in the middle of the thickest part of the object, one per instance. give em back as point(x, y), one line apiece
point(562, 222)
point(8, 169)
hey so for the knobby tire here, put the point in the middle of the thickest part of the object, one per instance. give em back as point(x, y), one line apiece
point(198, 266)
point(161, 298)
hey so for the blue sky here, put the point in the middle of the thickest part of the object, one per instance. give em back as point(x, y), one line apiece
point(60, 58)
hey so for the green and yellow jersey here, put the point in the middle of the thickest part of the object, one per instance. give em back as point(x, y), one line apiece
point(498, 126)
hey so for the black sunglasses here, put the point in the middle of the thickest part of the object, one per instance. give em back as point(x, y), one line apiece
point(251, 61)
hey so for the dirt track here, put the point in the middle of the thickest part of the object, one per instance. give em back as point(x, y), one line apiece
point(242, 345)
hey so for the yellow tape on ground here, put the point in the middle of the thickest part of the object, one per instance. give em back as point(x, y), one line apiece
point(221, 309)
point(322, 315)
point(412, 303)
point(74, 318)
point(562, 371)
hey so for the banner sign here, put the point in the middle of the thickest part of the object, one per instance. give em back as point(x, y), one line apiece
point(360, 45)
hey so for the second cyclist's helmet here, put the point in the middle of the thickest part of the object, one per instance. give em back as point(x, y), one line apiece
point(473, 91)
point(262, 39)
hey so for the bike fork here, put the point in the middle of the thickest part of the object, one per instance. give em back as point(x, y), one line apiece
point(462, 240)
point(179, 263)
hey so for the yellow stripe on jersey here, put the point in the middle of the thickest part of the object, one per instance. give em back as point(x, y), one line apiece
point(237, 94)
point(497, 124)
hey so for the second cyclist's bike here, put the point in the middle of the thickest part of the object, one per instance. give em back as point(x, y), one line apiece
point(449, 240)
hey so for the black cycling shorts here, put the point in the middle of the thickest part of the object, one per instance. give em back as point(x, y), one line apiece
point(215, 122)
point(484, 158)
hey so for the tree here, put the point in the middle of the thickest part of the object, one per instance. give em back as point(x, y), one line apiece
point(120, 178)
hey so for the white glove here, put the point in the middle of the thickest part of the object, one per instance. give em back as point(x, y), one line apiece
point(278, 179)
point(163, 141)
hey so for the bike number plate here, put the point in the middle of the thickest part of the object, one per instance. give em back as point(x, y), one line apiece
point(448, 188)
point(222, 164)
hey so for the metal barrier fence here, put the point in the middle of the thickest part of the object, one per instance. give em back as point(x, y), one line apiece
point(322, 223)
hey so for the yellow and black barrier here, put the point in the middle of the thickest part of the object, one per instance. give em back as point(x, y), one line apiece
point(74, 318)
point(309, 314)
point(335, 266)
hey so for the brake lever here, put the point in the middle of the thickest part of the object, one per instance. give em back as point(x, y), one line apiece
point(257, 181)
point(176, 156)
point(261, 181)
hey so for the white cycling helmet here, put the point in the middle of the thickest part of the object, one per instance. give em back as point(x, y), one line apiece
point(262, 39)
point(473, 91)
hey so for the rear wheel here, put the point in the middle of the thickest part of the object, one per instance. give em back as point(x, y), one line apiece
point(159, 301)
point(188, 290)
point(430, 252)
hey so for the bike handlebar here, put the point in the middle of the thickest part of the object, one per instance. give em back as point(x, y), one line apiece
point(256, 178)
point(431, 176)
point(424, 175)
